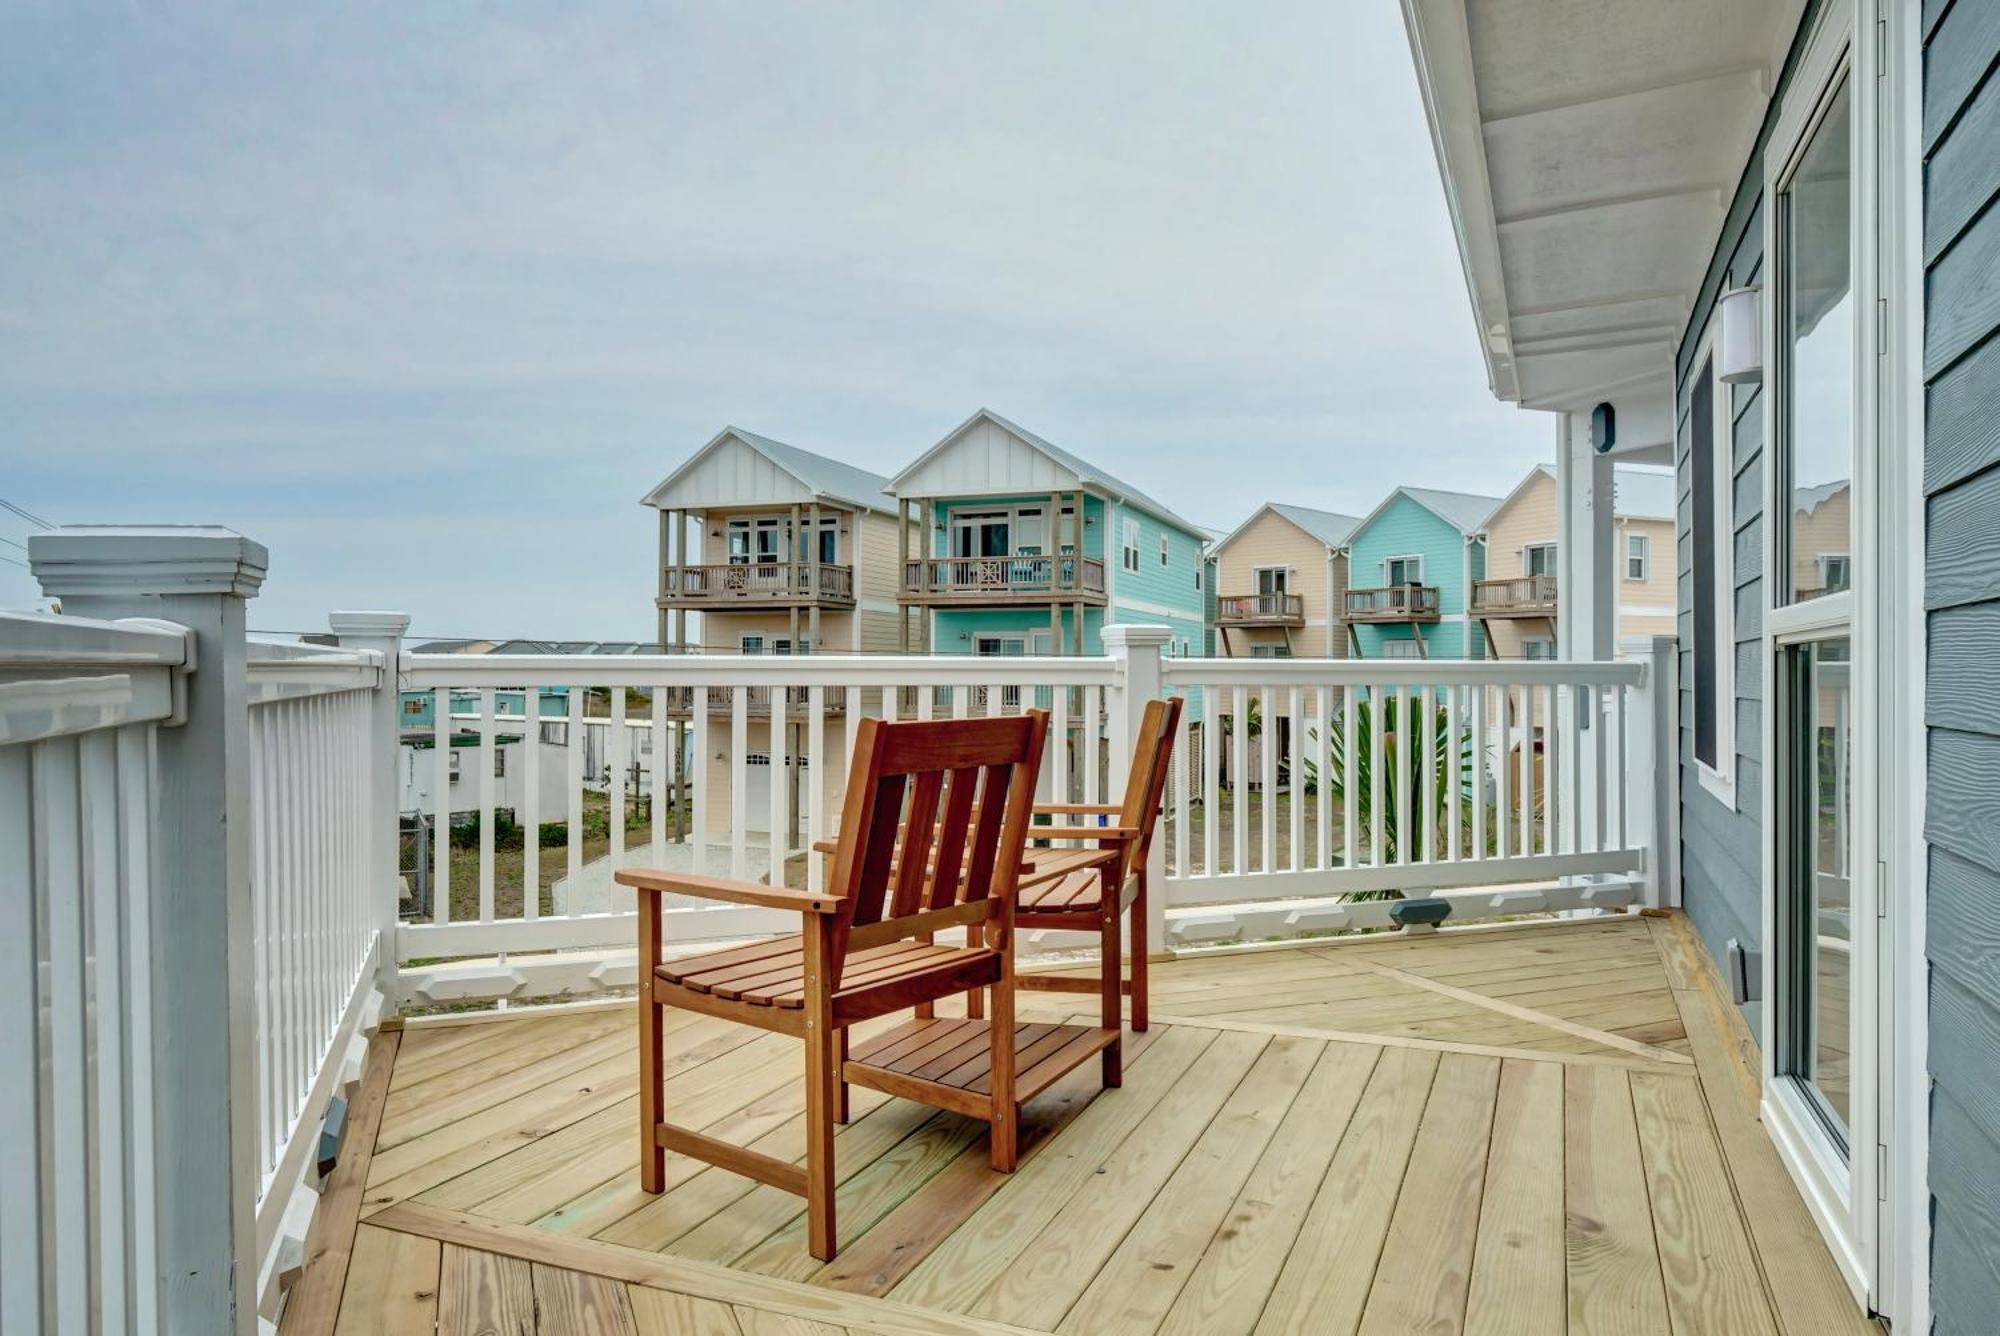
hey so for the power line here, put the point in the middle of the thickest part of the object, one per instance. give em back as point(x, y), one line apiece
point(26, 515)
point(11, 543)
point(11, 562)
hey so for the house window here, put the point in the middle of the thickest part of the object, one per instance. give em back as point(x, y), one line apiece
point(1712, 534)
point(1538, 647)
point(752, 644)
point(829, 544)
point(1814, 440)
point(1403, 571)
point(1538, 559)
point(1273, 580)
point(414, 707)
point(987, 533)
point(1270, 651)
point(1197, 577)
point(499, 762)
point(1128, 555)
point(1165, 549)
point(1407, 648)
point(1636, 554)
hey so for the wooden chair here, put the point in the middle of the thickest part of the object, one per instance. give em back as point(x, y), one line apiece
point(1082, 889)
point(934, 825)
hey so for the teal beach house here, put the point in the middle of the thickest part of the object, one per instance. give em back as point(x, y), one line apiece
point(1029, 549)
point(1410, 568)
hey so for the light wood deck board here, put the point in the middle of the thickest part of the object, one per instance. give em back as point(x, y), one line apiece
point(1543, 1128)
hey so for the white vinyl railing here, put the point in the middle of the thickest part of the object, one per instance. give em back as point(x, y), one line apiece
point(314, 901)
point(758, 792)
point(80, 704)
point(1323, 780)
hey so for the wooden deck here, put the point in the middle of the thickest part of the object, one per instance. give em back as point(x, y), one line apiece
point(1529, 1129)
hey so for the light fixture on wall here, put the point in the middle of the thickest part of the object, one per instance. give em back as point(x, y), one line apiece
point(1739, 346)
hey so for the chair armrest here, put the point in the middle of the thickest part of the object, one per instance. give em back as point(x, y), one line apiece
point(1077, 809)
point(1082, 832)
point(722, 888)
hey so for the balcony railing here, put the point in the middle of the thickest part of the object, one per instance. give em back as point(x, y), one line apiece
point(755, 584)
point(1002, 579)
point(1518, 596)
point(1393, 603)
point(1260, 610)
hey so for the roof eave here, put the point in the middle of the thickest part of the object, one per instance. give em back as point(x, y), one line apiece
point(1442, 50)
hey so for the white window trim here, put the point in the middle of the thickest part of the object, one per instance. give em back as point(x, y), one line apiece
point(1644, 556)
point(1720, 779)
point(1166, 549)
point(1128, 543)
point(1417, 557)
point(1257, 580)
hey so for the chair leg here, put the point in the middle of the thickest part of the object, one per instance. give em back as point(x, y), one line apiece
point(975, 1004)
point(652, 1053)
point(839, 1076)
point(1111, 975)
point(1140, 947)
point(1003, 1117)
point(821, 1080)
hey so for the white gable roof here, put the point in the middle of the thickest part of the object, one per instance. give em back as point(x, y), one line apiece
point(741, 468)
point(986, 455)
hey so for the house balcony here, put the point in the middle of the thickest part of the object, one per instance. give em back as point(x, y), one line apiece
point(757, 584)
point(1519, 596)
point(1393, 603)
point(1244, 610)
point(1001, 581)
point(1552, 1111)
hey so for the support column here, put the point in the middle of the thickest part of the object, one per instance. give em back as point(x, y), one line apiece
point(902, 574)
point(1586, 610)
point(202, 1050)
point(382, 632)
point(812, 568)
point(680, 519)
point(666, 537)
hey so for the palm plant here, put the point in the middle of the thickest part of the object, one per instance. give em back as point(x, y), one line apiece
point(1449, 759)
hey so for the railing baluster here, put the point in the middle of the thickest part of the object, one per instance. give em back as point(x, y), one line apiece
point(1454, 772)
point(531, 805)
point(1267, 786)
point(1211, 777)
point(1093, 714)
point(1622, 828)
point(1428, 850)
point(488, 752)
point(440, 805)
point(1531, 783)
point(778, 734)
point(573, 842)
point(698, 796)
point(1322, 700)
point(1376, 715)
point(1477, 699)
point(616, 759)
point(658, 777)
point(1294, 774)
point(1239, 781)
point(739, 782)
point(816, 761)
point(1059, 748)
point(1408, 832)
point(1183, 731)
point(1350, 771)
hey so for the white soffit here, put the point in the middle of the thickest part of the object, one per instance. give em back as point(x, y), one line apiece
point(1589, 151)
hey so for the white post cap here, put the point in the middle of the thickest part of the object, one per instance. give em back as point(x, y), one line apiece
point(146, 559)
point(1135, 635)
point(368, 623)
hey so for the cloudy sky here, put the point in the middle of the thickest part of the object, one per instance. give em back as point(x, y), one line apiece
point(424, 297)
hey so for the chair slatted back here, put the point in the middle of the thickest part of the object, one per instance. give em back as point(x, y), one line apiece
point(1146, 785)
point(935, 816)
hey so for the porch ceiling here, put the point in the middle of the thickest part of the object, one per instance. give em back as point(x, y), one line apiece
point(1589, 150)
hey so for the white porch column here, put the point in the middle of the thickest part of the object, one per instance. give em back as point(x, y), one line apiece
point(1587, 610)
point(205, 1109)
point(1136, 650)
point(383, 631)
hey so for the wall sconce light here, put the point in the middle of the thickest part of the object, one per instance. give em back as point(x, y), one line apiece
point(1739, 346)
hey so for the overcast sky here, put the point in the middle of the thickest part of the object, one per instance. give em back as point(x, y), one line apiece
point(425, 296)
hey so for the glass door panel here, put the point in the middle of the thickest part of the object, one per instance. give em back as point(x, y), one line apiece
point(1815, 922)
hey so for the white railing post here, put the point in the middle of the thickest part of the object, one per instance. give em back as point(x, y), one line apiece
point(201, 1009)
point(1662, 771)
point(383, 631)
point(1135, 651)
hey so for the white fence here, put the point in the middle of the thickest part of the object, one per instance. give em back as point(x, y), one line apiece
point(1540, 795)
point(80, 704)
